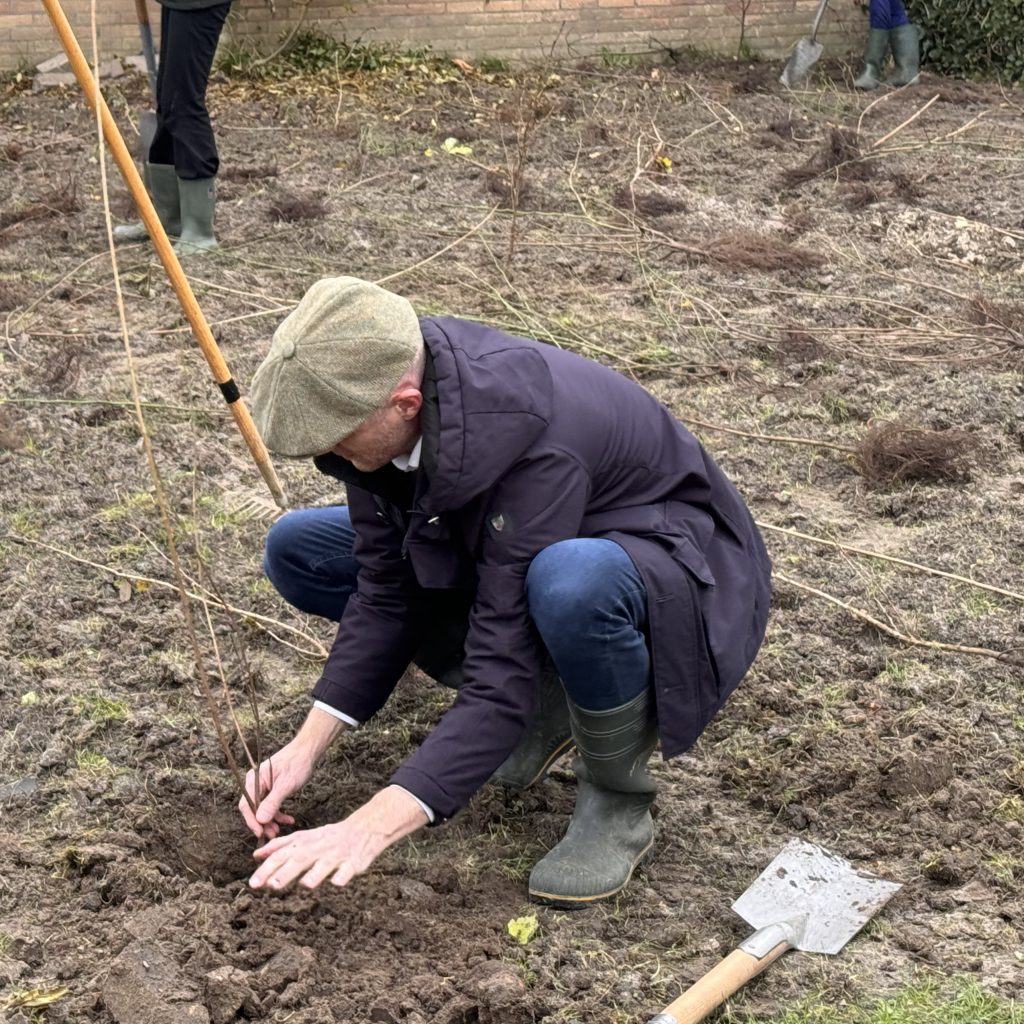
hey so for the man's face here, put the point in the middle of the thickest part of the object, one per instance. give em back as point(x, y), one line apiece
point(383, 436)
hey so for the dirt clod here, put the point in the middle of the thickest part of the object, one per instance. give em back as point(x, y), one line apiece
point(145, 986)
point(287, 965)
point(226, 991)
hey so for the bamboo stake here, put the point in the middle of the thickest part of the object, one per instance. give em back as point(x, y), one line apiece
point(168, 257)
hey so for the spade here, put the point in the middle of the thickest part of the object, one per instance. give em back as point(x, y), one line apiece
point(807, 899)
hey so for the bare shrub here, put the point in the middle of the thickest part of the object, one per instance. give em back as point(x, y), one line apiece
point(893, 452)
point(799, 346)
point(1008, 316)
point(747, 250)
point(293, 208)
point(650, 204)
point(59, 201)
point(249, 173)
point(840, 153)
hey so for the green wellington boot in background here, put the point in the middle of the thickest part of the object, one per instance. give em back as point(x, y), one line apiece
point(198, 198)
point(611, 827)
point(874, 55)
point(547, 737)
point(162, 186)
point(906, 52)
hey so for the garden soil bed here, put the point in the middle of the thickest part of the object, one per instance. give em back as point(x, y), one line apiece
point(744, 253)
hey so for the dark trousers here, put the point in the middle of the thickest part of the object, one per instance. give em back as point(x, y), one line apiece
point(888, 14)
point(586, 599)
point(184, 136)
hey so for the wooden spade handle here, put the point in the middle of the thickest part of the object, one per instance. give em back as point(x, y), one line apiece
point(727, 977)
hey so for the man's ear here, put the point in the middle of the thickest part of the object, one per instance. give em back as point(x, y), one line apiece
point(408, 400)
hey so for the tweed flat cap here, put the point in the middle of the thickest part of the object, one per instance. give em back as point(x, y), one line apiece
point(334, 360)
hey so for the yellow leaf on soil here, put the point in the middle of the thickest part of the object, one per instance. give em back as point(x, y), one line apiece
point(33, 998)
point(522, 929)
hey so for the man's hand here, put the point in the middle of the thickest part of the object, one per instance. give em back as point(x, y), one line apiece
point(280, 776)
point(342, 850)
point(285, 772)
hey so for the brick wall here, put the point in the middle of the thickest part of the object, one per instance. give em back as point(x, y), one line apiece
point(529, 29)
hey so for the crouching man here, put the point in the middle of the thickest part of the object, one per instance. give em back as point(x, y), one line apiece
point(531, 528)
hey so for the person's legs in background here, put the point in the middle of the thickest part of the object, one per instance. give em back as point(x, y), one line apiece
point(905, 42)
point(188, 43)
point(158, 163)
point(890, 29)
point(590, 606)
point(877, 45)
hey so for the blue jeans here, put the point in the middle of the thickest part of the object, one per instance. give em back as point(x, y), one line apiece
point(887, 14)
point(585, 597)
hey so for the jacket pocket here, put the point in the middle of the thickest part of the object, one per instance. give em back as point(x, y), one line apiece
point(688, 555)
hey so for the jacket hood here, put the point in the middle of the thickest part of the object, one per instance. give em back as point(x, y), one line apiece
point(487, 398)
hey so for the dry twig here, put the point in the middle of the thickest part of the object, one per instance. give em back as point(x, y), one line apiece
point(906, 638)
point(853, 549)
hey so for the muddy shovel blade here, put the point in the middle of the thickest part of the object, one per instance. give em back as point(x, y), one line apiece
point(807, 899)
point(806, 52)
point(147, 133)
point(805, 55)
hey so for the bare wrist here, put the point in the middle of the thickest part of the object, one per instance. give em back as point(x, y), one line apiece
point(316, 735)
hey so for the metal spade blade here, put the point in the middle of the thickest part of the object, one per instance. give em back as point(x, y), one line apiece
point(805, 54)
point(807, 884)
point(807, 899)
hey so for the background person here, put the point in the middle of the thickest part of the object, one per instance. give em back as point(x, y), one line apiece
point(180, 167)
point(550, 506)
point(890, 29)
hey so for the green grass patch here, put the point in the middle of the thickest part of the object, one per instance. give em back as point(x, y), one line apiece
point(90, 763)
point(99, 708)
point(127, 505)
point(929, 1001)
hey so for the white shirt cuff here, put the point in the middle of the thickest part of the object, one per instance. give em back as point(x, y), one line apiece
point(426, 810)
point(348, 719)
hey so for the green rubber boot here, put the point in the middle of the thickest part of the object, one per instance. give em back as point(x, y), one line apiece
point(906, 52)
point(162, 186)
point(198, 197)
point(546, 739)
point(874, 55)
point(611, 827)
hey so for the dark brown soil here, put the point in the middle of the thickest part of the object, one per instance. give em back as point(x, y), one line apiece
point(124, 861)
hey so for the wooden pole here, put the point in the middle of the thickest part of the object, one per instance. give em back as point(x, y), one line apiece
point(168, 257)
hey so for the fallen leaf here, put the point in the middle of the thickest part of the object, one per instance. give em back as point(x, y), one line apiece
point(522, 929)
point(452, 145)
point(33, 998)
